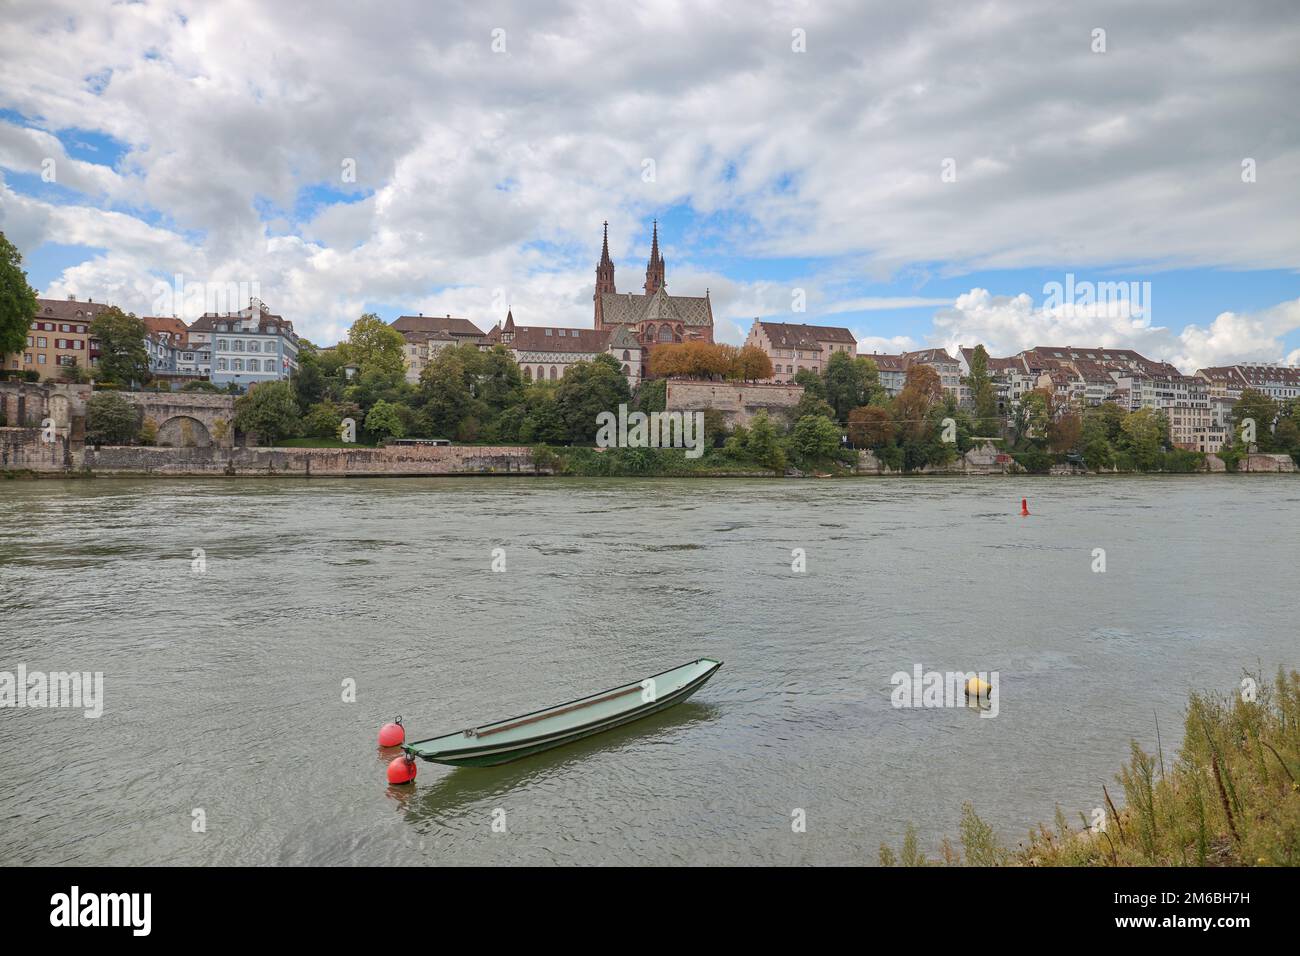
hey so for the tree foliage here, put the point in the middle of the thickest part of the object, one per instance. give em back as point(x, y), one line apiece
point(17, 299)
point(111, 420)
point(270, 411)
point(123, 358)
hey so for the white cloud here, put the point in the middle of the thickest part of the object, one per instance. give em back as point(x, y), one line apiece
point(478, 171)
point(1007, 324)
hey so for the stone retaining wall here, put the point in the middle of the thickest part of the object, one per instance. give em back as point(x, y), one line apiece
point(312, 462)
point(738, 401)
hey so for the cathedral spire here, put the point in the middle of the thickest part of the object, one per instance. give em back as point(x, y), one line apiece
point(654, 270)
point(604, 278)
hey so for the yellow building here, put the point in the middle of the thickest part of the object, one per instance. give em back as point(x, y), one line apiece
point(59, 336)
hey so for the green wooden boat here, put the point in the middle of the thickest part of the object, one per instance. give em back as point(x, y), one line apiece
point(507, 740)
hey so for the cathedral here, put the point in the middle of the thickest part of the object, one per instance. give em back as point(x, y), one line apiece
point(652, 315)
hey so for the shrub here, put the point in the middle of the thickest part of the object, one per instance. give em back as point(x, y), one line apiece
point(111, 420)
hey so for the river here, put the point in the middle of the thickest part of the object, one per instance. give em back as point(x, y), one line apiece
point(226, 737)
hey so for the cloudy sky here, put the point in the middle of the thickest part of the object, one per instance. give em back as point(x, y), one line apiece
point(921, 173)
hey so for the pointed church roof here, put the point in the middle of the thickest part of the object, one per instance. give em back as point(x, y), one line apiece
point(627, 308)
point(604, 247)
point(623, 338)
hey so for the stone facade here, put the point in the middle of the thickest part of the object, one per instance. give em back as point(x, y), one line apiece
point(187, 419)
point(739, 402)
point(392, 461)
point(793, 347)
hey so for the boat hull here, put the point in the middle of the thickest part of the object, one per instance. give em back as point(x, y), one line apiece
point(487, 754)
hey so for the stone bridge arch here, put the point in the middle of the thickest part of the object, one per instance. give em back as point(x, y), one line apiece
point(183, 431)
point(188, 419)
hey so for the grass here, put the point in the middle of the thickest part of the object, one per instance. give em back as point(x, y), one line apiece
point(1230, 798)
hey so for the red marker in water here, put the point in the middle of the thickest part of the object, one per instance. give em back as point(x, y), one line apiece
point(1024, 507)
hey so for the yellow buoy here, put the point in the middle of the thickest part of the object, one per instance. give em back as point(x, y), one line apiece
point(977, 688)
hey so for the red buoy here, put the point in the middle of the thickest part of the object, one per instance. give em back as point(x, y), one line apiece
point(402, 769)
point(392, 735)
point(1024, 507)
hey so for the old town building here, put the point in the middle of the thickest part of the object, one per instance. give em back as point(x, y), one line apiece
point(545, 353)
point(58, 337)
point(794, 347)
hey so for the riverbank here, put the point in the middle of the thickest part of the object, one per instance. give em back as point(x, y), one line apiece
point(25, 452)
point(1231, 797)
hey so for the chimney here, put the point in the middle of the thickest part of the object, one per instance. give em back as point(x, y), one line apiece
point(71, 297)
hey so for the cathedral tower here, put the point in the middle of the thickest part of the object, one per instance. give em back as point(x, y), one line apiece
point(604, 278)
point(654, 270)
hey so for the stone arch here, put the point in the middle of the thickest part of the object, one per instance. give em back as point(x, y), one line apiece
point(182, 431)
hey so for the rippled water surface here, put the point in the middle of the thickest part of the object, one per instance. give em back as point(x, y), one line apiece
point(224, 689)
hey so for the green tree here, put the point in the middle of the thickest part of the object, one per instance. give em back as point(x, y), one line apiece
point(812, 404)
point(375, 346)
point(587, 389)
point(541, 420)
point(849, 383)
point(652, 395)
point(815, 440)
point(111, 420)
point(983, 394)
point(812, 382)
point(270, 410)
point(122, 355)
point(322, 420)
point(1032, 418)
point(447, 389)
point(500, 385)
point(763, 445)
point(384, 420)
point(17, 300)
point(308, 379)
point(1144, 433)
point(1255, 406)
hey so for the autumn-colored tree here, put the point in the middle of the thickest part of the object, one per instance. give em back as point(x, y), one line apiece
point(752, 364)
point(691, 360)
point(869, 427)
point(921, 389)
point(1065, 432)
point(925, 380)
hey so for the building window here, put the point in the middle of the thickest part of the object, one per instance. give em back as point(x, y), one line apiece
point(253, 365)
point(41, 341)
point(221, 365)
point(665, 334)
point(528, 372)
point(553, 373)
point(223, 345)
point(626, 355)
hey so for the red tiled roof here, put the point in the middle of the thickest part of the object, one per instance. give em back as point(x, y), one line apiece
point(792, 335)
point(463, 328)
